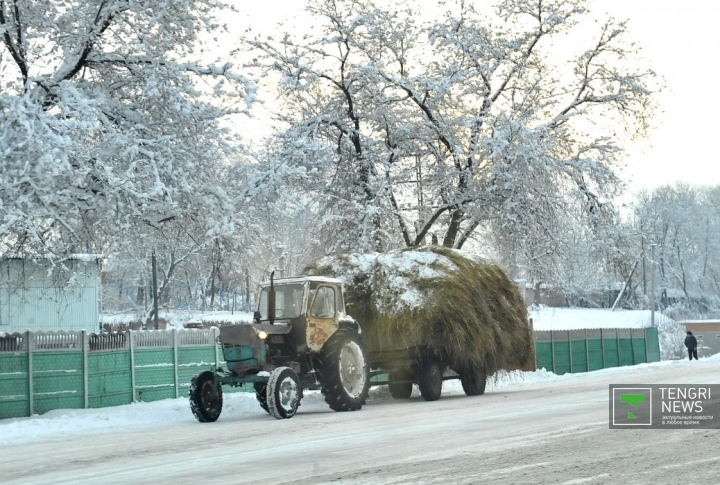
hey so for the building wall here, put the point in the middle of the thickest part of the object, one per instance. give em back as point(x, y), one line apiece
point(38, 296)
point(708, 335)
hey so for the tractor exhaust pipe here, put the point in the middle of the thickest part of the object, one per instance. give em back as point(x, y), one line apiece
point(271, 300)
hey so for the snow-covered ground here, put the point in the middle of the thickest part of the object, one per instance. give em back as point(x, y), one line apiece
point(529, 427)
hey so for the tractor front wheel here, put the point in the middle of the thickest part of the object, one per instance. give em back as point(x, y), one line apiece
point(206, 398)
point(283, 393)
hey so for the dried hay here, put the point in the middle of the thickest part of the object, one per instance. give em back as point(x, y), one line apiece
point(461, 306)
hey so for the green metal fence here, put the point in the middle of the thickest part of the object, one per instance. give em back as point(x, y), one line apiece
point(563, 351)
point(74, 370)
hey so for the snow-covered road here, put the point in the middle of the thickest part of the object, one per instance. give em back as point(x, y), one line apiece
point(530, 428)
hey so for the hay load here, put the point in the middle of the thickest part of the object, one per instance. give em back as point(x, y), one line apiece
point(455, 304)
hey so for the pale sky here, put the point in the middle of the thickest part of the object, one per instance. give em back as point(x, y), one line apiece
point(678, 43)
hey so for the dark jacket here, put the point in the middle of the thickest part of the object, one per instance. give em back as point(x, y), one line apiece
point(691, 342)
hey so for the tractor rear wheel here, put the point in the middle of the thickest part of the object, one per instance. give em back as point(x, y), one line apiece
point(206, 398)
point(473, 381)
point(343, 371)
point(400, 385)
point(283, 393)
point(430, 380)
point(261, 395)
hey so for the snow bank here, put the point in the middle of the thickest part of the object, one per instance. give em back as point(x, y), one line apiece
point(177, 318)
point(546, 318)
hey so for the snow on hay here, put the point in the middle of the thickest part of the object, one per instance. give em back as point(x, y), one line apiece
point(436, 298)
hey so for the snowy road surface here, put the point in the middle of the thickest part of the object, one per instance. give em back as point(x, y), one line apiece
point(530, 428)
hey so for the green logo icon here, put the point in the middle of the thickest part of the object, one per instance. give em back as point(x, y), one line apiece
point(633, 400)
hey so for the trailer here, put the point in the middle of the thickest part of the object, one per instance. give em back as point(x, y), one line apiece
point(431, 314)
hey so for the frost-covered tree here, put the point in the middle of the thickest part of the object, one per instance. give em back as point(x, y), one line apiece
point(684, 224)
point(111, 125)
point(405, 128)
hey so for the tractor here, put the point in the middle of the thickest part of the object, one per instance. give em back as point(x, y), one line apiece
point(300, 339)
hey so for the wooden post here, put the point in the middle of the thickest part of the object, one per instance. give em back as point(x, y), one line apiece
point(247, 291)
point(552, 349)
point(570, 351)
point(602, 348)
point(155, 289)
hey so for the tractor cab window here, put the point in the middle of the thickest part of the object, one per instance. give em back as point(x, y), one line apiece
point(323, 305)
point(288, 301)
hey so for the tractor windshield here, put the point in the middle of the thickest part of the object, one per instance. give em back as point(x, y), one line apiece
point(288, 301)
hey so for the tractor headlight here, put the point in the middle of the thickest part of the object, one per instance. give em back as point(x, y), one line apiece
point(262, 334)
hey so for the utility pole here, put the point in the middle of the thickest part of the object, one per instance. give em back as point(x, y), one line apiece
point(281, 264)
point(642, 248)
point(652, 284)
point(155, 289)
point(247, 291)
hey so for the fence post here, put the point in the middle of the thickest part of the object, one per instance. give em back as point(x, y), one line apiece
point(570, 351)
point(617, 344)
point(85, 368)
point(31, 401)
point(632, 346)
point(132, 364)
point(645, 335)
point(602, 348)
point(215, 346)
point(587, 352)
point(175, 362)
point(552, 349)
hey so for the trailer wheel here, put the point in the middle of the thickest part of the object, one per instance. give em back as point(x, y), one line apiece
point(473, 381)
point(206, 398)
point(283, 393)
point(343, 370)
point(402, 389)
point(430, 380)
point(261, 395)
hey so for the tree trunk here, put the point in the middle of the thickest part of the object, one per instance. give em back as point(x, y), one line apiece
point(453, 229)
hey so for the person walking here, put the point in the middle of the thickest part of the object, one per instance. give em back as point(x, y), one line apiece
point(691, 344)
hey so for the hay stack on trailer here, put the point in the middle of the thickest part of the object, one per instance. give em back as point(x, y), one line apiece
point(454, 304)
